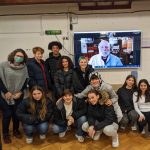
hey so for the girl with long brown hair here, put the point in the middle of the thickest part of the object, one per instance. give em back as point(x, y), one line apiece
point(141, 100)
point(125, 100)
point(35, 113)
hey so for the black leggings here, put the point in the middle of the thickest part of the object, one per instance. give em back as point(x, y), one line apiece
point(144, 122)
point(8, 113)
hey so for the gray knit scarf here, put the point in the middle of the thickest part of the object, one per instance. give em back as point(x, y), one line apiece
point(12, 76)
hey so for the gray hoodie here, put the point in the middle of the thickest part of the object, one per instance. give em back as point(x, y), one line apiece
point(103, 87)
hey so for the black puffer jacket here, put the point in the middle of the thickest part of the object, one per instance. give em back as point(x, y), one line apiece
point(79, 109)
point(81, 79)
point(63, 80)
point(52, 65)
point(104, 114)
point(24, 113)
point(36, 74)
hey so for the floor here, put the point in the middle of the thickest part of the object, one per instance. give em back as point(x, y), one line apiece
point(128, 141)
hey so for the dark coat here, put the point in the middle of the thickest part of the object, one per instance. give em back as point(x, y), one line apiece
point(79, 109)
point(104, 114)
point(36, 74)
point(52, 65)
point(63, 80)
point(125, 99)
point(81, 79)
point(24, 113)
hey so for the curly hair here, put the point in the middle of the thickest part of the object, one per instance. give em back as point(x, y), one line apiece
point(13, 53)
point(54, 43)
point(70, 63)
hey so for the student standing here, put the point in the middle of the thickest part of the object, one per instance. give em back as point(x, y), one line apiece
point(81, 75)
point(13, 81)
point(52, 62)
point(38, 73)
point(63, 77)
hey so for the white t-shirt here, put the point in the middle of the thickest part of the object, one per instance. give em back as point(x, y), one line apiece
point(68, 109)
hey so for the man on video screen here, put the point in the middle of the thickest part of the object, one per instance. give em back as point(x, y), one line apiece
point(104, 59)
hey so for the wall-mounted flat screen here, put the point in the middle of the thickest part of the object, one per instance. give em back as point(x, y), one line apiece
point(109, 49)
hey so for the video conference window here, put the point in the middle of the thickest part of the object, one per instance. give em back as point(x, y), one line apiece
point(109, 49)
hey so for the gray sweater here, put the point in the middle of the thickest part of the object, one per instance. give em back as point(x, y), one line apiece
point(13, 77)
point(104, 87)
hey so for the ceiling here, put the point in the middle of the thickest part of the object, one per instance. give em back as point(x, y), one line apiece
point(82, 4)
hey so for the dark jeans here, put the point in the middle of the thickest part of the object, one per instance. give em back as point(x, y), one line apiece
point(8, 113)
point(144, 122)
point(129, 117)
point(78, 126)
point(42, 128)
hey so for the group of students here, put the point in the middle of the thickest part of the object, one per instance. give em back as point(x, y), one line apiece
point(134, 102)
point(67, 97)
point(53, 76)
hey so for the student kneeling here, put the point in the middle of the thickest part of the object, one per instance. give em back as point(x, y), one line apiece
point(35, 113)
point(101, 118)
point(69, 111)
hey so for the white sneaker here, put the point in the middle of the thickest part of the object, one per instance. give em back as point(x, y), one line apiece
point(134, 128)
point(43, 137)
point(143, 131)
point(122, 127)
point(97, 136)
point(62, 134)
point(29, 140)
point(115, 141)
point(80, 138)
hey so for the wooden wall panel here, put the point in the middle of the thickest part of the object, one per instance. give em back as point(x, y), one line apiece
point(19, 2)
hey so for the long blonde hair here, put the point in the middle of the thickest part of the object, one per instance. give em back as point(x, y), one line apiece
point(43, 108)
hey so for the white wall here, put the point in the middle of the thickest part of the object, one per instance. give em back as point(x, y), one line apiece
point(27, 31)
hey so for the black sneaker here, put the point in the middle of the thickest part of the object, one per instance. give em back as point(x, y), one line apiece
point(7, 139)
point(17, 134)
